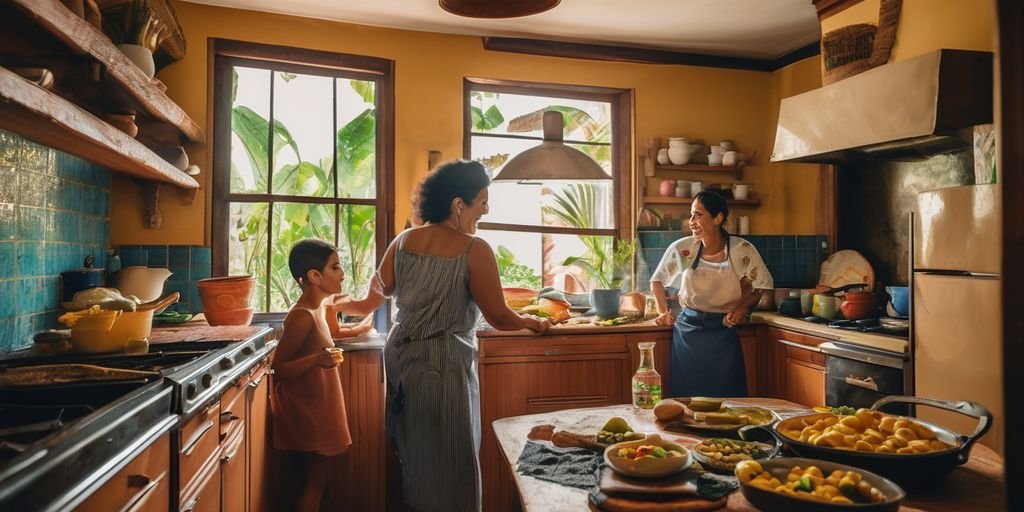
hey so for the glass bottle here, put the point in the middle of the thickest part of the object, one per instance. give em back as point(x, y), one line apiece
point(646, 381)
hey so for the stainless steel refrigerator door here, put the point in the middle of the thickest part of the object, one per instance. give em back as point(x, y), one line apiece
point(958, 348)
point(959, 229)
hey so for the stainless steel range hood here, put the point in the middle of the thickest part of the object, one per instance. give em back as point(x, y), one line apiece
point(906, 110)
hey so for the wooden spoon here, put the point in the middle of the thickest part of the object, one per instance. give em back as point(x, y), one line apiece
point(160, 304)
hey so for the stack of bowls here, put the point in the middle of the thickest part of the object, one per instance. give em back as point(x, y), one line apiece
point(226, 299)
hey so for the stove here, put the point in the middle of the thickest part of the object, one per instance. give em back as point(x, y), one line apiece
point(68, 421)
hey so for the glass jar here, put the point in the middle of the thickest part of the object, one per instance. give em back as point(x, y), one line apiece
point(646, 380)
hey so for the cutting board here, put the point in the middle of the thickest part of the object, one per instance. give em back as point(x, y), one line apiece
point(676, 493)
point(201, 331)
point(846, 267)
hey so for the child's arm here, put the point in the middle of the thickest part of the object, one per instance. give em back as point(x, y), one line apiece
point(298, 326)
point(343, 330)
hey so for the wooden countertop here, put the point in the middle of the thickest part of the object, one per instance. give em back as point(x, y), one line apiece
point(567, 329)
point(878, 341)
point(975, 486)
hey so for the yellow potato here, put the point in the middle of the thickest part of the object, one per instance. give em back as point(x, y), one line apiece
point(905, 433)
point(668, 409)
point(851, 422)
point(886, 424)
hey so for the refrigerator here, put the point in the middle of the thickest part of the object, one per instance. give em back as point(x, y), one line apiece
point(956, 304)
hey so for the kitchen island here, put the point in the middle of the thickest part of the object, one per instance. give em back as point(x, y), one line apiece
point(976, 486)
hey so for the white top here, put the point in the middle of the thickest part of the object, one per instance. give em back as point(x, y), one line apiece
point(744, 260)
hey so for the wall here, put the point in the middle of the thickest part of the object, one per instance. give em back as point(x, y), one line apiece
point(54, 211)
point(707, 103)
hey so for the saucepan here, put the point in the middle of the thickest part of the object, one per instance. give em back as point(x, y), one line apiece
point(906, 469)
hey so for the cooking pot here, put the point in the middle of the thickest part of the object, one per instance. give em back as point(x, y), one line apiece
point(824, 306)
point(905, 469)
point(857, 305)
point(790, 306)
point(74, 281)
point(899, 299)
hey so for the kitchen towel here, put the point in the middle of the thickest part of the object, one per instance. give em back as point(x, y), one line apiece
point(572, 467)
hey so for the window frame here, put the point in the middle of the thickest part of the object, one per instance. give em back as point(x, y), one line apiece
point(621, 101)
point(223, 55)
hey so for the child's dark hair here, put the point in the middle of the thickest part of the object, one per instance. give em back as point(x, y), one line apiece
point(714, 203)
point(309, 254)
point(431, 201)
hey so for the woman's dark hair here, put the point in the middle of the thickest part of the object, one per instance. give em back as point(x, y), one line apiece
point(432, 199)
point(714, 203)
point(309, 254)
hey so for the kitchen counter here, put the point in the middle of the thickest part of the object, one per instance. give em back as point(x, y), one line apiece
point(877, 341)
point(371, 340)
point(568, 329)
point(976, 486)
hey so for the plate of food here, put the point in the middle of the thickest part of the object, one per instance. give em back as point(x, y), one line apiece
point(810, 485)
point(721, 455)
point(709, 414)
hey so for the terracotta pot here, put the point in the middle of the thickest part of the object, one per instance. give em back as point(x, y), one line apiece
point(231, 317)
point(221, 294)
point(857, 310)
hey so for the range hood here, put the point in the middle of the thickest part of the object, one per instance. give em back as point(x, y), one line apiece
point(907, 110)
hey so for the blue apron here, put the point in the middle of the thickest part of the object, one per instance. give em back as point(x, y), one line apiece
point(706, 357)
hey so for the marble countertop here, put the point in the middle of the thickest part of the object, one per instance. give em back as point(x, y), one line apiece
point(978, 485)
point(371, 340)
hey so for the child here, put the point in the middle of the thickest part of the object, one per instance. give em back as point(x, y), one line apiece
point(307, 403)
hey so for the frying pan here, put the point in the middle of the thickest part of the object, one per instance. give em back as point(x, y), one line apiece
point(906, 469)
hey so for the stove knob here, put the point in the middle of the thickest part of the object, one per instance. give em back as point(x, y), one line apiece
point(226, 363)
point(207, 379)
point(248, 350)
point(190, 390)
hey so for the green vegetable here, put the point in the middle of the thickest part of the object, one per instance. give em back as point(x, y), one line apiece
point(844, 410)
point(804, 484)
point(659, 452)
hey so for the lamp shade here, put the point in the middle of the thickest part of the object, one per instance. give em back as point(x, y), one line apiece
point(552, 160)
point(496, 8)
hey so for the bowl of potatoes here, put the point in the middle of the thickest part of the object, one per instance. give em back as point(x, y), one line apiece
point(906, 449)
point(810, 485)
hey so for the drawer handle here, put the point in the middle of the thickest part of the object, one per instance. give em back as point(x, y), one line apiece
point(567, 400)
point(866, 383)
point(139, 499)
point(256, 383)
point(227, 416)
point(190, 506)
point(553, 352)
point(191, 444)
point(809, 348)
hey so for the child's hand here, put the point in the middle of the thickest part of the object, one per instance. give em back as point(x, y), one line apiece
point(325, 359)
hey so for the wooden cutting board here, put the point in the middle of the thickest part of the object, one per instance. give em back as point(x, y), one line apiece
point(676, 493)
point(846, 267)
point(201, 331)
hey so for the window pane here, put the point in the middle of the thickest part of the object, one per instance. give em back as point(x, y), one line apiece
point(357, 138)
point(247, 247)
point(304, 124)
point(553, 203)
point(357, 247)
point(524, 257)
point(293, 222)
point(250, 109)
point(523, 115)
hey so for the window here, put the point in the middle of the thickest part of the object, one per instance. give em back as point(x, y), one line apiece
point(534, 227)
point(323, 170)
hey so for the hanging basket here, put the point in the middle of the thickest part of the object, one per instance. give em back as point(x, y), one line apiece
point(854, 49)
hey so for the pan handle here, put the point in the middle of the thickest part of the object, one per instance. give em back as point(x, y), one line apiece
point(965, 407)
point(756, 433)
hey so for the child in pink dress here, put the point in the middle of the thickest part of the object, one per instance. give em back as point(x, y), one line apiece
point(307, 402)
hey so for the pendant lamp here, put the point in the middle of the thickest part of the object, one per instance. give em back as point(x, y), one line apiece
point(552, 160)
point(496, 8)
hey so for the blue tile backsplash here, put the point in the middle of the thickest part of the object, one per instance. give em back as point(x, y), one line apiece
point(54, 211)
point(188, 264)
point(793, 260)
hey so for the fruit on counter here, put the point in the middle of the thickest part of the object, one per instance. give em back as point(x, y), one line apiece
point(652, 451)
point(865, 431)
point(845, 487)
point(555, 310)
point(668, 408)
point(704, 404)
point(617, 430)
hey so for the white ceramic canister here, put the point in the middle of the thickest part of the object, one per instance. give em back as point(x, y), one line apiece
point(714, 158)
point(696, 187)
point(682, 188)
point(679, 151)
point(729, 158)
point(741, 191)
point(744, 225)
point(663, 156)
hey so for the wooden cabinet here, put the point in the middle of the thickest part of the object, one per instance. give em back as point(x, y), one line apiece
point(752, 358)
point(232, 472)
point(198, 445)
point(141, 486)
point(531, 375)
point(256, 438)
point(661, 355)
point(357, 478)
point(799, 367)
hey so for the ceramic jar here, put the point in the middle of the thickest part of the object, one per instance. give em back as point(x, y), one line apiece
point(824, 306)
point(696, 187)
point(679, 151)
point(140, 56)
point(727, 145)
point(729, 158)
point(740, 191)
point(663, 156)
point(714, 158)
point(682, 188)
point(667, 188)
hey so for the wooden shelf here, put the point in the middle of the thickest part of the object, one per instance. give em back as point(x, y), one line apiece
point(735, 170)
point(49, 119)
point(121, 87)
point(688, 200)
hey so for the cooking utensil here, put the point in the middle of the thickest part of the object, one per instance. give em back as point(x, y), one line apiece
point(160, 304)
point(906, 469)
point(765, 499)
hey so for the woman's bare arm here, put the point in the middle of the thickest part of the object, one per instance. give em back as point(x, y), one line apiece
point(485, 287)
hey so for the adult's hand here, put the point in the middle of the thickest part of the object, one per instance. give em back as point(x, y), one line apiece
point(735, 316)
point(665, 318)
point(538, 325)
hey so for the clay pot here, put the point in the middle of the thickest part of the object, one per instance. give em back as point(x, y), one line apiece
point(225, 295)
point(231, 317)
point(857, 305)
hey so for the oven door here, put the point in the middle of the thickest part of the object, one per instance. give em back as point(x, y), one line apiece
point(858, 377)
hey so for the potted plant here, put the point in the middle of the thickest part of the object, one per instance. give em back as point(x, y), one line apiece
point(608, 269)
point(137, 33)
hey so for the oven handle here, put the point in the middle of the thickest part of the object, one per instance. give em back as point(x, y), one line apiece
point(863, 356)
point(866, 383)
point(801, 346)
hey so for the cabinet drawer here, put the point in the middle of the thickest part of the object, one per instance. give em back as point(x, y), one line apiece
point(805, 355)
point(549, 346)
point(233, 408)
point(198, 441)
point(142, 485)
point(203, 493)
point(798, 346)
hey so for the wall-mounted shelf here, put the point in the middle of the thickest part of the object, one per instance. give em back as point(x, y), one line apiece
point(688, 200)
point(734, 170)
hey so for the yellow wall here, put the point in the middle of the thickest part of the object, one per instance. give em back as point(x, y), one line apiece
point(927, 25)
point(707, 103)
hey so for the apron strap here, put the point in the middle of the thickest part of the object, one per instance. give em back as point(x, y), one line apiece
point(700, 251)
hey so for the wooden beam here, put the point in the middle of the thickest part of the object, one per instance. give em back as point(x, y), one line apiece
point(641, 55)
point(827, 8)
point(44, 117)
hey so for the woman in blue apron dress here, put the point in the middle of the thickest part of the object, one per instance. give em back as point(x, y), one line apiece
point(723, 276)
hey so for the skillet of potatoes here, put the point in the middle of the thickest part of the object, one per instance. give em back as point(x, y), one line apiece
point(864, 431)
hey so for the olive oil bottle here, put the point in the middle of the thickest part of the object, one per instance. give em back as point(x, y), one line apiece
point(646, 381)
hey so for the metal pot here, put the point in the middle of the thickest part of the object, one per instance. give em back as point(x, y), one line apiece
point(905, 469)
point(74, 281)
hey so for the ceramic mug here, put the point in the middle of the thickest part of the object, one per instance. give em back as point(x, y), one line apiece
point(740, 191)
point(806, 301)
point(824, 306)
point(696, 187)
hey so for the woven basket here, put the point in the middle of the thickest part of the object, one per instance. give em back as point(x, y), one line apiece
point(854, 49)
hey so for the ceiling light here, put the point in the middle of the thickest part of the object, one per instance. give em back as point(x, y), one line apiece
point(552, 160)
point(496, 9)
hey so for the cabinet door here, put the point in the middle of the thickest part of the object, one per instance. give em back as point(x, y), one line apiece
point(356, 480)
point(204, 494)
point(748, 342)
point(256, 438)
point(141, 486)
point(805, 383)
point(232, 473)
point(513, 386)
